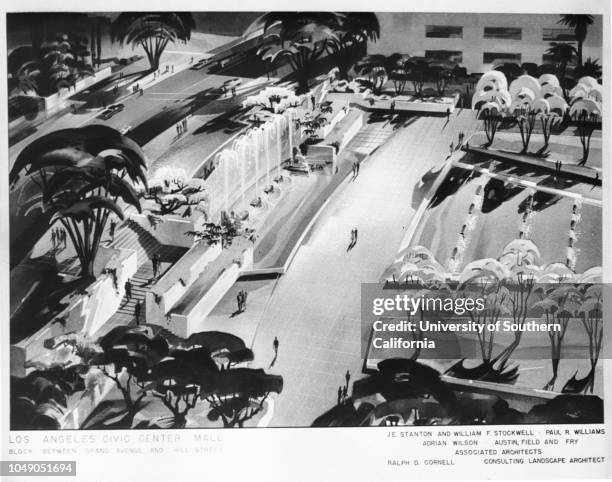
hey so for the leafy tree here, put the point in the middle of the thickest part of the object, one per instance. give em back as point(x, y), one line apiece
point(356, 29)
point(206, 367)
point(419, 72)
point(65, 60)
point(171, 190)
point(559, 305)
point(562, 54)
point(82, 174)
point(152, 31)
point(580, 24)
point(521, 286)
point(510, 70)
point(375, 67)
point(491, 118)
point(442, 77)
point(548, 122)
point(300, 38)
point(24, 79)
point(586, 124)
point(176, 380)
point(399, 76)
point(237, 395)
point(54, 65)
point(223, 233)
point(526, 120)
point(590, 67)
point(592, 314)
point(127, 355)
point(40, 400)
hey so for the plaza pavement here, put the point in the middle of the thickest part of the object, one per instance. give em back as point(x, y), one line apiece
point(314, 309)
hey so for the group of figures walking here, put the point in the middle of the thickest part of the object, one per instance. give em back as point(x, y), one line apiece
point(241, 298)
point(58, 238)
point(181, 127)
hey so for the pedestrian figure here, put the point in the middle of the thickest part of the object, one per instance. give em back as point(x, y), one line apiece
point(244, 300)
point(392, 107)
point(178, 132)
point(111, 230)
point(275, 346)
point(357, 166)
point(137, 312)
point(448, 113)
point(239, 301)
point(451, 147)
point(339, 395)
point(172, 68)
point(314, 104)
point(347, 376)
point(156, 260)
point(355, 235)
point(128, 290)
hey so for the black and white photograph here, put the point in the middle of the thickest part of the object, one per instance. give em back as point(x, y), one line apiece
point(386, 221)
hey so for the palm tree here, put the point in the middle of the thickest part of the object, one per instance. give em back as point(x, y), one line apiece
point(580, 24)
point(24, 78)
point(152, 31)
point(590, 67)
point(82, 173)
point(563, 54)
point(352, 37)
point(64, 60)
point(300, 38)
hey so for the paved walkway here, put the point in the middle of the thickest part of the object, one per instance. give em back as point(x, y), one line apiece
point(315, 309)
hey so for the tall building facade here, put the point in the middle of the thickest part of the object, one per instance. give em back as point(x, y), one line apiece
point(479, 41)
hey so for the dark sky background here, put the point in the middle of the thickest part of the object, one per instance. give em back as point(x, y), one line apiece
point(19, 25)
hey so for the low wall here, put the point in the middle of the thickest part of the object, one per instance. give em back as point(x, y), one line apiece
point(171, 287)
point(351, 132)
point(327, 128)
point(185, 324)
point(171, 231)
point(89, 312)
point(105, 299)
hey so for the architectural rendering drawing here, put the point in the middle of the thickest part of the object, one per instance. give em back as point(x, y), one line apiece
point(197, 200)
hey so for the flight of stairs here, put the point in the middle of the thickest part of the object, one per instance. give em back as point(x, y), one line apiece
point(133, 236)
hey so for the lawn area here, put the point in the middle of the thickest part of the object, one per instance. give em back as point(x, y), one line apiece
point(497, 222)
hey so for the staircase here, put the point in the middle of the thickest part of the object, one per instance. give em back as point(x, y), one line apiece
point(134, 237)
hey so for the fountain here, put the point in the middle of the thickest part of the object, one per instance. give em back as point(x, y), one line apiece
point(254, 154)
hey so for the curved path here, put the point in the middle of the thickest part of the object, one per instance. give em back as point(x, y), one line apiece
point(315, 308)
